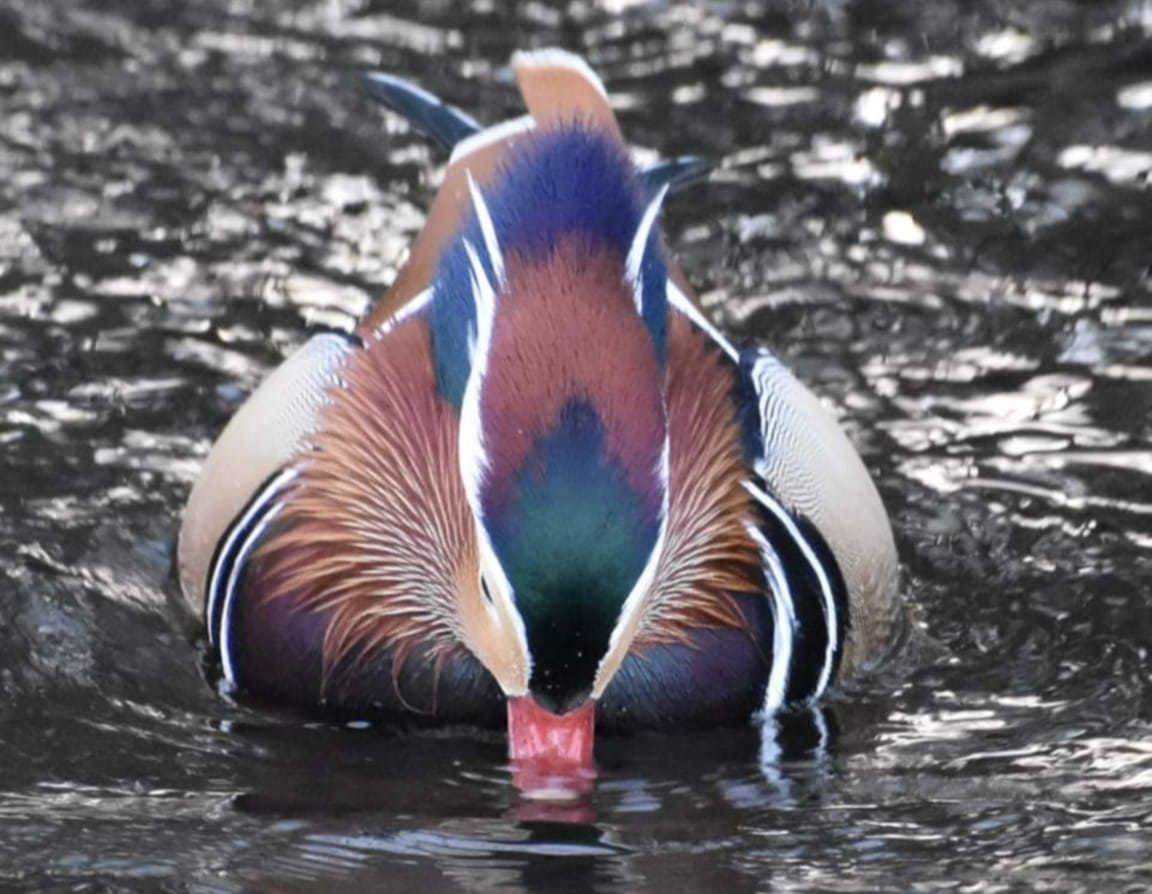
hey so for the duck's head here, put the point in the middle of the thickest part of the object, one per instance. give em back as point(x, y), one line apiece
point(563, 445)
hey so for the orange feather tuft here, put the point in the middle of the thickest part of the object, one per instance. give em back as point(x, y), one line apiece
point(708, 555)
point(377, 530)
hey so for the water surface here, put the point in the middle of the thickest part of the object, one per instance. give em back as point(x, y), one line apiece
point(938, 213)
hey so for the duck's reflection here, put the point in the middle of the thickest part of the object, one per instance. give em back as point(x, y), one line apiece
point(777, 762)
point(551, 793)
point(353, 800)
point(319, 769)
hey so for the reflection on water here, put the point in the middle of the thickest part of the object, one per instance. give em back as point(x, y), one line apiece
point(937, 213)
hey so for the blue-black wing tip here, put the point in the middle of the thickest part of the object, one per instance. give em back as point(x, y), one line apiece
point(675, 173)
point(427, 113)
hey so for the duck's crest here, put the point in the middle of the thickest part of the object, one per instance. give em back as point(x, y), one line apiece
point(567, 191)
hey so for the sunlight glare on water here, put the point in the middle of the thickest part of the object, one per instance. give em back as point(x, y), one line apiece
point(938, 215)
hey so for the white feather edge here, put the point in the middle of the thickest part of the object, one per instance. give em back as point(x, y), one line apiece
point(683, 303)
point(472, 458)
point(554, 57)
point(783, 623)
point(490, 135)
point(488, 229)
point(639, 592)
point(635, 259)
point(410, 308)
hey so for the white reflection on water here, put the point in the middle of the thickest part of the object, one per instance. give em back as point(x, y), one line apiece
point(831, 159)
point(773, 52)
point(1119, 164)
point(875, 105)
point(781, 96)
point(982, 118)
point(901, 227)
point(912, 71)
point(1135, 96)
point(241, 44)
point(1008, 45)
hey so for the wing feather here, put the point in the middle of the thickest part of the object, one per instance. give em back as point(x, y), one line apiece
point(273, 426)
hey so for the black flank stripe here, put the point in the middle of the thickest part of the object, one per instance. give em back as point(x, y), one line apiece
point(823, 552)
point(746, 394)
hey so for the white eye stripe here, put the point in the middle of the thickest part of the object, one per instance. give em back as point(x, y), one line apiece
point(499, 594)
point(473, 460)
point(483, 297)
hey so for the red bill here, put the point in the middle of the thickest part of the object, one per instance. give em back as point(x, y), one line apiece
point(561, 740)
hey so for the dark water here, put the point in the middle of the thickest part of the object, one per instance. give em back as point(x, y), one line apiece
point(940, 213)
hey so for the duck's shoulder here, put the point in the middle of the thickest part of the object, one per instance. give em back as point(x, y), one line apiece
point(825, 542)
point(272, 426)
point(814, 475)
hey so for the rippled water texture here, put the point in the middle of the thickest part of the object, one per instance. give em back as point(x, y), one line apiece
point(939, 213)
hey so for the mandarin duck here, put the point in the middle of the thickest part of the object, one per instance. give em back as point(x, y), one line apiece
point(537, 486)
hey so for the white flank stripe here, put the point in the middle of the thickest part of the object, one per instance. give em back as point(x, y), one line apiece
point(827, 597)
point(234, 530)
point(488, 229)
point(230, 593)
point(639, 243)
point(783, 623)
point(682, 303)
